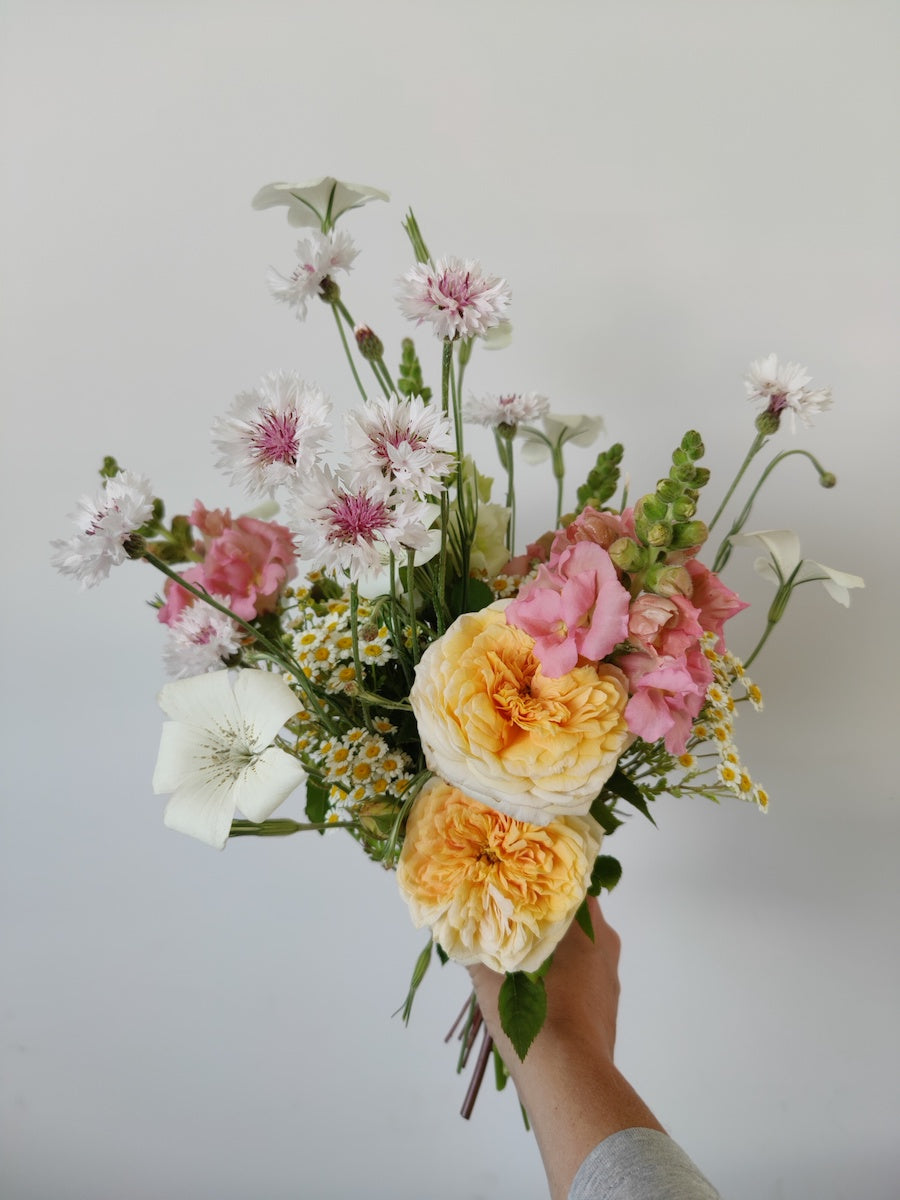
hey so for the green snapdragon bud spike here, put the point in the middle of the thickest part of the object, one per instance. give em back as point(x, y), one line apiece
point(409, 381)
point(603, 478)
point(650, 508)
point(628, 555)
point(659, 534)
point(684, 508)
point(668, 581)
point(688, 534)
point(669, 490)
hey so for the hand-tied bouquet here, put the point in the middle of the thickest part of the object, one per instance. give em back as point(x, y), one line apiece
point(473, 717)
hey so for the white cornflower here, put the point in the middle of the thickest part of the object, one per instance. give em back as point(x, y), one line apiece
point(511, 409)
point(320, 255)
point(216, 753)
point(783, 387)
point(785, 568)
point(559, 429)
point(455, 296)
point(352, 526)
point(105, 525)
point(201, 640)
point(272, 433)
point(319, 203)
point(407, 441)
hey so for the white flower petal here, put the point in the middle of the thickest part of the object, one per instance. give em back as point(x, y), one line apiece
point(307, 203)
point(267, 782)
point(266, 702)
point(201, 810)
point(782, 544)
point(202, 701)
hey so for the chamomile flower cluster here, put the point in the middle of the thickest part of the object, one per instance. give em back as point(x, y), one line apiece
point(716, 724)
point(321, 638)
point(361, 766)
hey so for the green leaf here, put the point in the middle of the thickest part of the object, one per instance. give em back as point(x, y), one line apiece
point(501, 1074)
point(442, 954)
point(418, 975)
point(583, 917)
point(604, 814)
point(620, 785)
point(523, 1007)
point(478, 596)
point(316, 802)
point(606, 874)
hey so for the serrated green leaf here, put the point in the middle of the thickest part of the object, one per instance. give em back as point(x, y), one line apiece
point(603, 813)
point(606, 874)
point(523, 1007)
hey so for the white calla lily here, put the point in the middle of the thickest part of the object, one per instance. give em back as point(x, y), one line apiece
point(216, 753)
point(784, 564)
point(319, 203)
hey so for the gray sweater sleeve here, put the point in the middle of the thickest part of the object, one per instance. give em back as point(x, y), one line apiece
point(639, 1164)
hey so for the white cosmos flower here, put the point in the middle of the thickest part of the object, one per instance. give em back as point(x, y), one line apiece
point(511, 409)
point(455, 295)
point(216, 754)
point(406, 441)
point(784, 564)
point(347, 524)
point(559, 429)
point(320, 255)
point(319, 203)
point(272, 433)
point(105, 523)
point(201, 640)
point(782, 387)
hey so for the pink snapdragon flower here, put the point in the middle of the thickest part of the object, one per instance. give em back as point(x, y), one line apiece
point(664, 625)
point(667, 694)
point(602, 528)
point(715, 602)
point(576, 608)
point(247, 560)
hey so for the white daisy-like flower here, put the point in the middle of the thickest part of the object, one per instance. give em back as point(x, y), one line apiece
point(320, 255)
point(406, 441)
point(273, 433)
point(105, 524)
point(455, 295)
point(783, 387)
point(216, 754)
point(511, 409)
point(201, 640)
point(560, 429)
point(319, 203)
point(784, 564)
point(351, 525)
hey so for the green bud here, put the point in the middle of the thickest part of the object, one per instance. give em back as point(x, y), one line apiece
point(681, 458)
point(329, 290)
point(767, 423)
point(827, 480)
point(683, 508)
point(701, 477)
point(110, 467)
point(465, 350)
point(627, 555)
point(685, 474)
point(689, 534)
point(650, 508)
point(668, 490)
point(370, 344)
point(692, 445)
point(668, 581)
point(134, 546)
point(659, 534)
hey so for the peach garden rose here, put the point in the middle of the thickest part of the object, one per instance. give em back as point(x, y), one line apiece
point(493, 725)
point(493, 889)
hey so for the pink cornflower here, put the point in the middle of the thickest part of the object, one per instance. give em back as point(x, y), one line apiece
point(352, 526)
point(105, 525)
point(320, 255)
point(511, 409)
point(782, 387)
point(455, 296)
point(272, 433)
point(407, 442)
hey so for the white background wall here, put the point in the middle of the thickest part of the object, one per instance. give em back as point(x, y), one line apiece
point(673, 190)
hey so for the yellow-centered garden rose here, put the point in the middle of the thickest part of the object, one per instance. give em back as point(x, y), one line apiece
point(490, 888)
point(495, 726)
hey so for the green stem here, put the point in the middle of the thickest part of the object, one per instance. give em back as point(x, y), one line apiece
point(282, 827)
point(337, 317)
point(446, 363)
point(357, 662)
point(758, 442)
point(379, 368)
point(724, 551)
point(410, 595)
point(762, 641)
